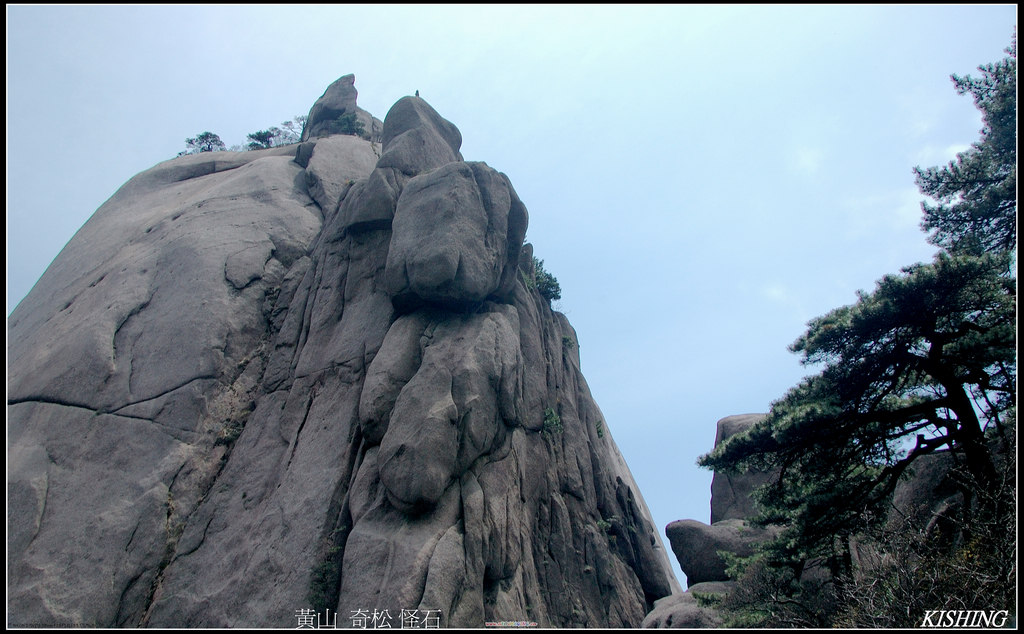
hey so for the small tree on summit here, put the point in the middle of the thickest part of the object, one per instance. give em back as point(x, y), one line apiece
point(263, 139)
point(204, 142)
point(291, 131)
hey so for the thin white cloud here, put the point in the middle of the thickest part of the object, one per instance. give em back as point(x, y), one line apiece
point(807, 159)
point(774, 291)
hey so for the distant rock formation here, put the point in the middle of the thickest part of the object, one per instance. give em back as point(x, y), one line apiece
point(339, 99)
point(928, 494)
point(732, 494)
point(309, 378)
point(697, 545)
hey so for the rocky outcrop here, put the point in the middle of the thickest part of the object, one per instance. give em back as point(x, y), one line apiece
point(139, 349)
point(455, 239)
point(697, 546)
point(249, 386)
point(732, 495)
point(691, 609)
point(335, 164)
point(925, 498)
point(339, 99)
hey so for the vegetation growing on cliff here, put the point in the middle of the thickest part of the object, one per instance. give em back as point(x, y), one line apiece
point(924, 363)
point(288, 133)
point(203, 142)
point(348, 124)
point(547, 285)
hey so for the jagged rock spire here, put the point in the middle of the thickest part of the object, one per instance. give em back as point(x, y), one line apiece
point(339, 99)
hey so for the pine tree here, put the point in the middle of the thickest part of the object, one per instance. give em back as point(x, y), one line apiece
point(204, 142)
point(925, 362)
point(263, 139)
point(977, 192)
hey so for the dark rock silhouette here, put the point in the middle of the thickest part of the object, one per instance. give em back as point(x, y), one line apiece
point(309, 378)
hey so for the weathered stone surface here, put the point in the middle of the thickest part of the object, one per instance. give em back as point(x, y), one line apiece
point(731, 493)
point(339, 99)
point(131, 355)
point(271, 434)
point(682, 611)
point(157, 291)
point(86, 508)
point(416, 139)
point(696, 546)
point(336, 163)
point(371, 203)
point(454, 408)
point(456, 240)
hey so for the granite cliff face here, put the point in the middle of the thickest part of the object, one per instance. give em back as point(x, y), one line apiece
point(314, 377)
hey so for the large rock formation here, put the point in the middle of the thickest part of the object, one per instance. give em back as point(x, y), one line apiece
point(311, 378)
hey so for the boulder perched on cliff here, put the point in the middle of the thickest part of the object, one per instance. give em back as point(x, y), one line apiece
point(228, 402)
point(416, 139)
point(697, 546)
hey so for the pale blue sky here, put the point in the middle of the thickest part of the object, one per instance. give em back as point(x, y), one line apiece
point(701, 180)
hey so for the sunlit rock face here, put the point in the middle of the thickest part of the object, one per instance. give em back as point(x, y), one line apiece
point(317, 377)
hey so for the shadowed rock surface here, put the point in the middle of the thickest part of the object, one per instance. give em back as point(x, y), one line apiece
point(690, 609)
point(306, 377)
